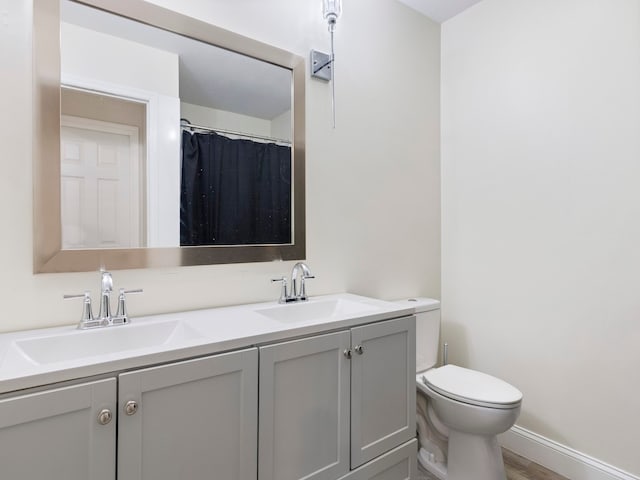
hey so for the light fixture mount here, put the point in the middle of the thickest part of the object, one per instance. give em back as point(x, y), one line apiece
point(321, 65)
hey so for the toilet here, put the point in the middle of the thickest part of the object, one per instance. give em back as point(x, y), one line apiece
point(463, 410)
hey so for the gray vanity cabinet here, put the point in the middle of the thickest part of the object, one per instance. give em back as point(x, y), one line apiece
point(332, 406)
point(66, 433)
point(195, 419)
point(383, 388)
point(304, 409)
point(331, 403)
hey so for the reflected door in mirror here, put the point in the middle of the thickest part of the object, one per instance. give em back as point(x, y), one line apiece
point(100, 185)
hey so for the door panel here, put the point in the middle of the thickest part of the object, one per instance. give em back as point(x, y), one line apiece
point(195, 420)
point(304, 409)
point(100, 185)
point(55, 434)
point(383, 388)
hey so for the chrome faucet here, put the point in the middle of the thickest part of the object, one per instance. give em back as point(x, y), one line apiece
point(105, 319)
point(303, 271)
point(106, 287)
point(299, 274)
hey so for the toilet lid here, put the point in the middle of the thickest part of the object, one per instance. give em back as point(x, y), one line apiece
point(472, 387)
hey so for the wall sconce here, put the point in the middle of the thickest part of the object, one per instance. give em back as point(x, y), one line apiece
point(323, 64)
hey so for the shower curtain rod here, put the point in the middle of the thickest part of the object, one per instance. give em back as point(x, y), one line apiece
point(187, 124)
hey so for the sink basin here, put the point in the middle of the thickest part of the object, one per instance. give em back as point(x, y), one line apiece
point(14, 359)
point(316, 310)
point(79, 344)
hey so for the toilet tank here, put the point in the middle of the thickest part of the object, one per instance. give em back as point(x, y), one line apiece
point(427, 331)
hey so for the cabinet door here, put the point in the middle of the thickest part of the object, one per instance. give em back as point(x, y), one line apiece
point(194, 420)
point(398, 464)
point(55, 434)
point(304, 409)
point(383, 390)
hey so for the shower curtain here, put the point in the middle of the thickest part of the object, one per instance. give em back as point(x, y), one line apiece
point(234, 192)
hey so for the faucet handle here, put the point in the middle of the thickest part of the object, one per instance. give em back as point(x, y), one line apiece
point(121, 314)
point(284, 293)
point(87, 311)
point(87, 320)
point(85, 295)
point(303, 290)
point(135, 290)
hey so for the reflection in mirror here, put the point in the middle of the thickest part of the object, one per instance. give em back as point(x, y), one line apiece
point(102, 170)
point(233, 155)
point(171, 132)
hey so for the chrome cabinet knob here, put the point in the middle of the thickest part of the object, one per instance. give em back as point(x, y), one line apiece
point(359, 349)
point(105, 416)
point(131, 407)
point(347, 353)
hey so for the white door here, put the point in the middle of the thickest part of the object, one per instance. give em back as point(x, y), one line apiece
point(100, 185)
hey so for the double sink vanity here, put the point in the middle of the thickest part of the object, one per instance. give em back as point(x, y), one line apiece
point(320, 389)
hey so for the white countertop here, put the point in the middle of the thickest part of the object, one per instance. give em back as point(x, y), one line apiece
point(193, 333)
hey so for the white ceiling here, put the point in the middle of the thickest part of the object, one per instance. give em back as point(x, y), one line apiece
point(439, 10)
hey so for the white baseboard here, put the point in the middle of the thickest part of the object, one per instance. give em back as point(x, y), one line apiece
point(559, 458)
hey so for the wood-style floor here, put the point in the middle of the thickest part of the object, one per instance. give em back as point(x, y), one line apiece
point(517, 467)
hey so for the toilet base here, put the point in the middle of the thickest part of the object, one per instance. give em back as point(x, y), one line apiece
point(427, 461)
point(470, 457)
point(474, 456)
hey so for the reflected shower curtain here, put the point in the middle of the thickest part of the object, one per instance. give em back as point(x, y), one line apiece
point(234, 192)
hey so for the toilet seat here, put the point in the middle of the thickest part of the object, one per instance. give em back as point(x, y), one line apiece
point(471, 387)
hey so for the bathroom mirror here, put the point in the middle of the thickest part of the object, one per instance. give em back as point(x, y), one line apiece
point(139, 131)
